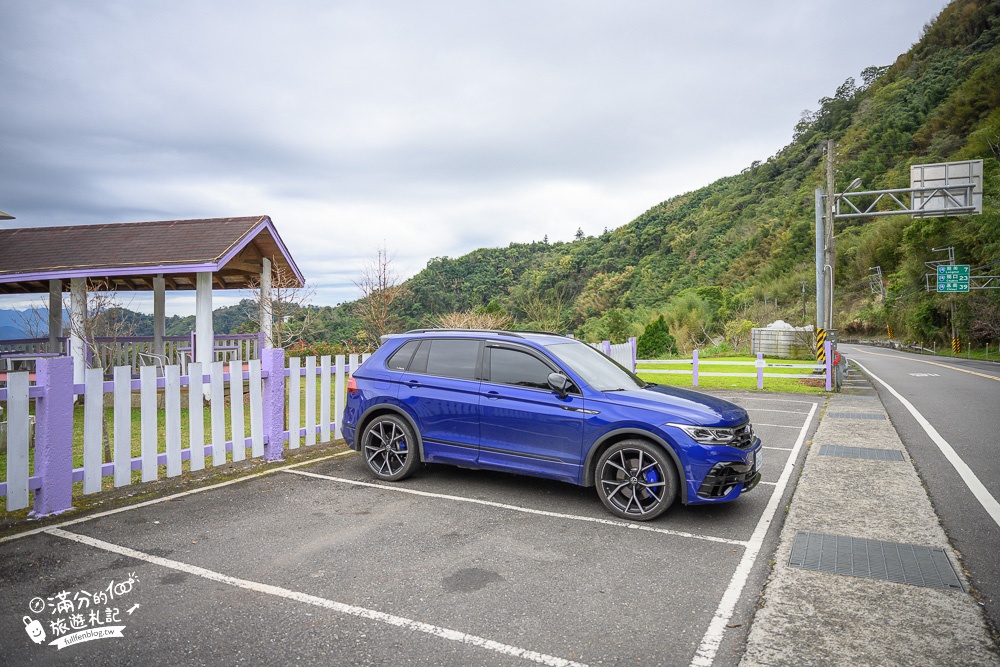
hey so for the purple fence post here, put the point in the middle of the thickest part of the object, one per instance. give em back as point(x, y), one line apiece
point(760, 370)
point(606, 347)
point(694, 372)
point(54, 436)
point(272, 361)
point(631, 341)
point(828, 346)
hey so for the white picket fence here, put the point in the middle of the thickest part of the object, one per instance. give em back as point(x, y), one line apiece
point(623, 353)
point(313, 414)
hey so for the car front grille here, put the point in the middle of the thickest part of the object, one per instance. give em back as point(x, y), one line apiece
point(744, 437)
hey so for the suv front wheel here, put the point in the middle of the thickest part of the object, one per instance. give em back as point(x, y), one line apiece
point(389, 448)
point(636, 480)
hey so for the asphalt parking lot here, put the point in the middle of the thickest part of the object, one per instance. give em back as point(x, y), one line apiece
point(319, 564)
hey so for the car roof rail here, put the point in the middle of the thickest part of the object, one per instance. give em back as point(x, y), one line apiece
point(460, 330)
point(500, 332)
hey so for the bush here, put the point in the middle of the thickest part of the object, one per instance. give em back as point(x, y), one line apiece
point(656, 341)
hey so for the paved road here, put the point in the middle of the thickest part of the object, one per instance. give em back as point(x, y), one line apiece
point(960, 400)
point(318, 565)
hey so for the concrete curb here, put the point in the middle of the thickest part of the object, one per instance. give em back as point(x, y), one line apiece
point(817, 618)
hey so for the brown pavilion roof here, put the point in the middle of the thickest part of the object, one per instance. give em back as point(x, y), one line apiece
point(127, 256)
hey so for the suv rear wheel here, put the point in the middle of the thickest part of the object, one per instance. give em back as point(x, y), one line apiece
point(389, 448)
point(636, 480)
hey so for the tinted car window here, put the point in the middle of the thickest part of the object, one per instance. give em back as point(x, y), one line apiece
point(453, 358)
point(401, 358)
point(518, 368)
point(597, 370)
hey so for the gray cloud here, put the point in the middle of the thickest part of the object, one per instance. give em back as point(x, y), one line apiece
point(436, 127)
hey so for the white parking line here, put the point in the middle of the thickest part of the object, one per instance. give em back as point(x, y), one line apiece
point(788, 412)
point(163, 499)
point(351, 610)
point(705, 655)
point(631, 525)
point(977, 488)
point(774, 400)
point(777, 425)
point(781, 449)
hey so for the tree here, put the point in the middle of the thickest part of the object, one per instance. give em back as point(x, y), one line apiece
point(544, 309)
point(284, 304)
point(656, 340)
point(473, 319)
point(380, 289)
point(100, 324)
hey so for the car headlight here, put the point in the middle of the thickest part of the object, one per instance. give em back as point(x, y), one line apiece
point(706, 435)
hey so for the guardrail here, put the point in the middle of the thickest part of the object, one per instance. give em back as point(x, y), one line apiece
point(759, 365)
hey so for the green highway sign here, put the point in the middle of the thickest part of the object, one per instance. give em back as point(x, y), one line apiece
point(953, 278)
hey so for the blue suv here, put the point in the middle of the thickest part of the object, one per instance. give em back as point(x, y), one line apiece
point(546, 405)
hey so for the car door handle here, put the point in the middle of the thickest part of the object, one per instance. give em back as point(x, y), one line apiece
point(582, 410)
point(493, 395)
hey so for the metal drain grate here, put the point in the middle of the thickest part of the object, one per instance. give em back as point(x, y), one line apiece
point(855, 415)
point(868, 453)
point(889, 561)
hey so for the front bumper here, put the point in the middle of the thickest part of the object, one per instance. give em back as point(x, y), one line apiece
point(723, 478)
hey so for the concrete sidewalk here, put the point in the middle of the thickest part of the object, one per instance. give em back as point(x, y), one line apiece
point(819, 617)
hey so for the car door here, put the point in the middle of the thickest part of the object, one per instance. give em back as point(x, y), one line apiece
point(440, 388)
point(525, 426)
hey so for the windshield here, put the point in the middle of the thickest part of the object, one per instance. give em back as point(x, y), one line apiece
point(597, 370)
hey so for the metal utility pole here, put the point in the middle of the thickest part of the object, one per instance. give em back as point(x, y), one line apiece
point(829, 248)
point(820, 255)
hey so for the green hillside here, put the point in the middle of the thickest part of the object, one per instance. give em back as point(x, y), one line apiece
point(738, 252)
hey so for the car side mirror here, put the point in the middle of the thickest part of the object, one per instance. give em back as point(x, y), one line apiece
point(560, 384)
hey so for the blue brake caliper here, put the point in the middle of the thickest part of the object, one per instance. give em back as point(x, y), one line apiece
point(651, 476)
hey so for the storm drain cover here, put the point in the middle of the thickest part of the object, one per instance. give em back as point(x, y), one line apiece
point(855, 415)
point(872, 559)
point(869, 453)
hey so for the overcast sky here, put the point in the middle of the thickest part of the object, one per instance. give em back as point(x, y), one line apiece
point(433, 127)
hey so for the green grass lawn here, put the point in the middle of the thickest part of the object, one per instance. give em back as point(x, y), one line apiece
point(772, 384)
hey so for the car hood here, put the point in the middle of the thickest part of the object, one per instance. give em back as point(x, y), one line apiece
point(683, 406)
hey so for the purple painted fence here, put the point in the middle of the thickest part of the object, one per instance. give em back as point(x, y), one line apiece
point(266, 379)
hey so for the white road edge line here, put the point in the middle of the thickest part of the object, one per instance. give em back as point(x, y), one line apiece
point(527, 510)
point(705, 655)
point(351, 610)
point(154, 501)
point(977, 488)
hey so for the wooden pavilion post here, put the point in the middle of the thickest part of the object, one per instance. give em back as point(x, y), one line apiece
point(78, 315)
point(204, 333)
point(266, 314)
point(159, 316)
point(55, 314)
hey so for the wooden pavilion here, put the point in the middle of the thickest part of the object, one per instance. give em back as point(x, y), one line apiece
point(199, 255)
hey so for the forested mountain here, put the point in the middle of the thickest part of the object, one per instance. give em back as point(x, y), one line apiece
point(740, 250)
